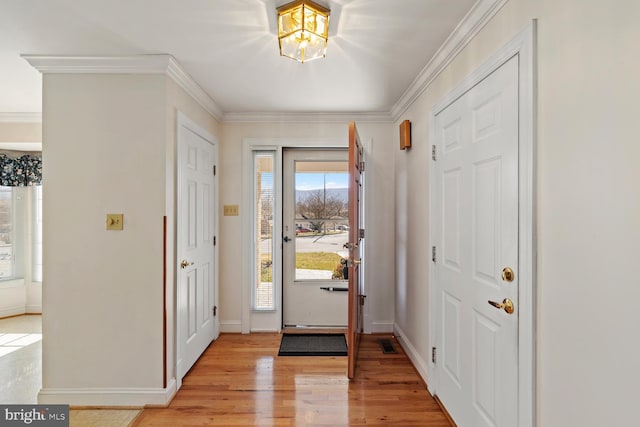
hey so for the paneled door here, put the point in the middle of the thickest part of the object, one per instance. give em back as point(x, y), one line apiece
point(356, 249)
point(476, 252)
point(196, 269)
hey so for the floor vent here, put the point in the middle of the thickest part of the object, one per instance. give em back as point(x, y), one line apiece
point(387, 346)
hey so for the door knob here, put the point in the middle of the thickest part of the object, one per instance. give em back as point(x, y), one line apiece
point(506, 305)
point(508, 275)
point(286, 239)
point(184, 264)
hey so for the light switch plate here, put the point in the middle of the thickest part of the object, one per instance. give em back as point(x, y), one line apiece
point(231, 210)
point(115, 221)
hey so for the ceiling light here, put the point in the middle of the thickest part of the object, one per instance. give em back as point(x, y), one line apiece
point(303, 29)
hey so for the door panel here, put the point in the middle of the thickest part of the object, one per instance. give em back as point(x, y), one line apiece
point(477, 189)
point(196, 252)
point(356, 285)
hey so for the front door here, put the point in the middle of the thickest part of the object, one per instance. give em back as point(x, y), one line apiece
point(315, 231)
point(476, 252)
point(196, 267)
point(356, 249)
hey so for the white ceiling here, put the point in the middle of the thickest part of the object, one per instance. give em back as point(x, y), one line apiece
point(376, 48)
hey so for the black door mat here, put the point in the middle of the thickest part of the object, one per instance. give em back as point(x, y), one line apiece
point(387, 346)
point(313, 345)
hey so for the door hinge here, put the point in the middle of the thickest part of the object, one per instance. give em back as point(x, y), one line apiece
point(433, 253)
point(361, 166)
point(215, 310)
point(362, 233)
point(433, 152)
point(215, 170)
point(362, 298)
point(215, 240)
point(433, 355)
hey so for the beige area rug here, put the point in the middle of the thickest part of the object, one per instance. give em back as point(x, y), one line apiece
point(102, 417)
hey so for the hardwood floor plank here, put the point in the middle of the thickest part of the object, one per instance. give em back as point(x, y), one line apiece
point(240, 381)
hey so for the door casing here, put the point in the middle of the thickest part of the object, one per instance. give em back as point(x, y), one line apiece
point(271, 321)
point(523, 46)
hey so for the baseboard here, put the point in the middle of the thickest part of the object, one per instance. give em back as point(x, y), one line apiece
point(381, 327)
point(34, 309)
point(126, 397)
point(231, 326)
point(12, 311)
point(419, 363)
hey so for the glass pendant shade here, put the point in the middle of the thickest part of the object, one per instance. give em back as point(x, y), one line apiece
point(303, 29)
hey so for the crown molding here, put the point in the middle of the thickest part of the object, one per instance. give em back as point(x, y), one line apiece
point(20, 117)
point(293, 117)
point(467, 29)
point(186, 82)
point(133, 64)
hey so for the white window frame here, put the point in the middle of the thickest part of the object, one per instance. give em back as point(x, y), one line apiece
point(36, 232)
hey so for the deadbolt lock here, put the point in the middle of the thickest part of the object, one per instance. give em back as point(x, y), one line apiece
point(508, 275)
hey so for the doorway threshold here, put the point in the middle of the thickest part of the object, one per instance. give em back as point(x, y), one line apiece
point(309, 329)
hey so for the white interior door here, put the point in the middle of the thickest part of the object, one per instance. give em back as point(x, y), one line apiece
point(476, 238)
point(315, 231)
point(196, 268)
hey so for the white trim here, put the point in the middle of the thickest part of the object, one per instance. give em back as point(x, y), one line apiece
point(130, 64)
point(13, 311)
point(320, 117)
point(17, 282)
point(35, 117)
point(382, 327)
point(21, 146)
point(466, 30)
point(129, 397)
point(33, 309)
point(414, 355)
point(524, 46)
point(230, 326)
point(183, 121)
point(133, 64)
point(186, 82)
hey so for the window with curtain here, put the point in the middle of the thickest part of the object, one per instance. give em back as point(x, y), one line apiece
point(17, 222)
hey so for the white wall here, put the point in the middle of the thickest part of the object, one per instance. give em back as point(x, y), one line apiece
point(104, 152)
point(109, 147)
point(588, 205)
point(379, 175)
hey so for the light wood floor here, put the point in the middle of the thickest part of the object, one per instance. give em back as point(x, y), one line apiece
point(240, 381)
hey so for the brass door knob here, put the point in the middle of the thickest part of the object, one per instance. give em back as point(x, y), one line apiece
point(184, 264)
point(508, 275)
point(506, 305)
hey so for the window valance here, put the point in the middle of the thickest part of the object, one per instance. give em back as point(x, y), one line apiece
point(18, 169)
